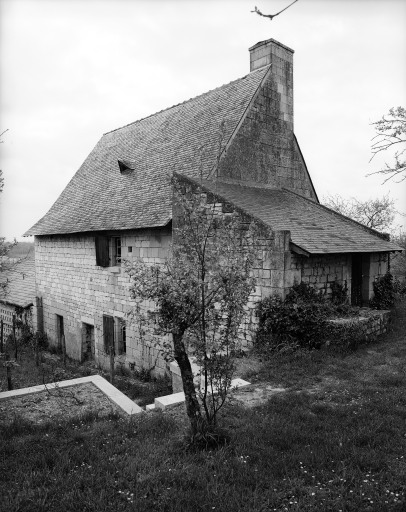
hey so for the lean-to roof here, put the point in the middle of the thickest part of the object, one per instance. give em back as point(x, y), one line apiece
point(314, 228)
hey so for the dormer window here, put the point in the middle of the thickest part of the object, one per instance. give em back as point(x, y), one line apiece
point(126, 166)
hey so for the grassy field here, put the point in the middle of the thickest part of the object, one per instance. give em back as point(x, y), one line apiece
point(334, 441)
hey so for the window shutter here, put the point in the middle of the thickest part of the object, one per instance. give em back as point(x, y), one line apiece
point(102, 251)
point(108, 332)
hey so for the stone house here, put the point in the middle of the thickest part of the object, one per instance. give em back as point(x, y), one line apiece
point(20, 297)
point(119, 206)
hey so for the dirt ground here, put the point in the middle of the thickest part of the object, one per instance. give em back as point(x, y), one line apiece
point(57, 404)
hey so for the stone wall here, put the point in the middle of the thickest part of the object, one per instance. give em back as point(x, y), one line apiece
point(271, 270)
point(264, 151)
point(7, 311)
point(321, 271)
point(378, 266)
point(74, 287)
point(371, 324)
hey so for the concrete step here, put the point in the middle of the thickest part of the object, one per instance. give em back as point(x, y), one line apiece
point(168, 401)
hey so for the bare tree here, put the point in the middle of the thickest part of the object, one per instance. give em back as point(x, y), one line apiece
point(271, 16)
point(5, 246)
point(391, 134)
point(377, 213)
point(199, 296)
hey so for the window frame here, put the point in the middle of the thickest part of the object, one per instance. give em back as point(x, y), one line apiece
point(108, 250)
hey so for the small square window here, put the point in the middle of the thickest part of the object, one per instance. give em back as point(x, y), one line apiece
point(130, 249)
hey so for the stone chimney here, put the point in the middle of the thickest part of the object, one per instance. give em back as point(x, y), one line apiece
point(280, 57)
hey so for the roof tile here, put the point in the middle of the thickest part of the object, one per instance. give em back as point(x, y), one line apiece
point(314, 227)
point(182, 139)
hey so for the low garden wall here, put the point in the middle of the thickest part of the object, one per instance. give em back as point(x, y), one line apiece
point(366, 327)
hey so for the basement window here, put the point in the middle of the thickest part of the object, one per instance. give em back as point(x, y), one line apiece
point(126, 166)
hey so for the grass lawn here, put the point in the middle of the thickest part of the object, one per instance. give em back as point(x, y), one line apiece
point(335, 440)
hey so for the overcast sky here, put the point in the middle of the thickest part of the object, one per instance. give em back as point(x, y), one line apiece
point(72, 70)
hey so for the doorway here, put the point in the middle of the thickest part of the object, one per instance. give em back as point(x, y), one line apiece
point(360, 279)
point(59, 330)
point(87, 342)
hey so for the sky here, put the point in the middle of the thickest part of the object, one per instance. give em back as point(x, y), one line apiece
point(71, 70)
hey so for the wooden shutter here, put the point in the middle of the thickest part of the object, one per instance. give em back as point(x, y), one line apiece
point(102, 251)
point(108, 332)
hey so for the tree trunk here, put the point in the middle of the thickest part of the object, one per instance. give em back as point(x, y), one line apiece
point(192, 405)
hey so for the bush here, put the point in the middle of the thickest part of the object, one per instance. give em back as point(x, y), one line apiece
point(339, 293)
point(399, 286)
point(384, 292)
point(347, 336)
point(299, 319)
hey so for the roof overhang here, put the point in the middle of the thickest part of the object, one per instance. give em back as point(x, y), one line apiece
point(298, 250)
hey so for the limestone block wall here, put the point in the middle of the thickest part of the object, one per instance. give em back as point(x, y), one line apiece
point(264, 151)
point(74, 287)
point(6, 314)
point(7, 311)
point(272, 268)
point(378, 266)
point(320, 271)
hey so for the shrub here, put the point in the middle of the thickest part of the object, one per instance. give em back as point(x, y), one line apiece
point(299, 319)
point(339, 293)
point(346, 336)
point(384, 293)
point(399, 286)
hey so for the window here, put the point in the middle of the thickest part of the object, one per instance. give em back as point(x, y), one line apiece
point(126, 166)
point(116, 250)
point(108, 250)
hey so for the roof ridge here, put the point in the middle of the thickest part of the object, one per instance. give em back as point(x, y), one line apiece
point(190, 99)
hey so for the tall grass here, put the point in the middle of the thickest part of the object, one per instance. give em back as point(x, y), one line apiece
point(336, 442)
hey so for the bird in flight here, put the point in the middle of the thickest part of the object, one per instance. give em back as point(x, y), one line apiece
point(271, 16)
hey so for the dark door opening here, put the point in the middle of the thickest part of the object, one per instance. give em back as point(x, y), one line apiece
point(360, 279)
point(88, 342)
point(59, 330)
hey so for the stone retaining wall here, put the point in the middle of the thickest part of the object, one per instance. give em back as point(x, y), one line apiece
point(372, 323)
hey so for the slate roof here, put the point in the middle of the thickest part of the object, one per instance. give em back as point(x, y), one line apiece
point(314, 228)
point(99, 197)
point(21, 277)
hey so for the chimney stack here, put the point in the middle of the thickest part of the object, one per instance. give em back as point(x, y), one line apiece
point(280, 57)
